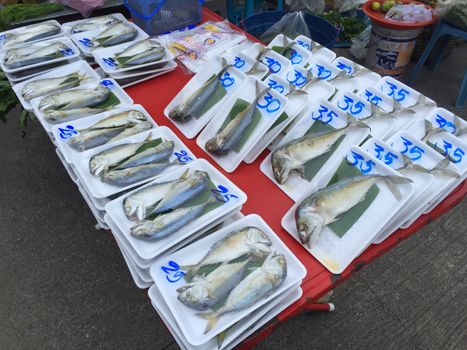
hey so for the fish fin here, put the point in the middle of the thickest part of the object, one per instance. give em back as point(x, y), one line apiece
point(443, 168)
point(211, 317)
point(220, 339)
point(392, 181)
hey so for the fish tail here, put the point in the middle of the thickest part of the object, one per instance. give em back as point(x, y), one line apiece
point(443, 168)
point(212, 318)
point(430, 129)
point(191, 271)
point(220, 339)
point(409, 164)
point(354, 123)
point(392, 181)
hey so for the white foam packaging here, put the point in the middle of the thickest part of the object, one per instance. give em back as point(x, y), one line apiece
point(270, 105)
point(357, 76)
point(142, 73)
point(80, 67)
point(69, 53)
point(116, 90)
point(336, 253)
point(192, 326)
point(244, 63)
point(276, 63)
point(68, 26)
point(238, 332)
point(4, 35)
point(84, 40)
point(181, 156)
point(330, 114)
point(299, 56)
point(227, 193)
point(230, 80)
point(105, 58)
point(65, 132)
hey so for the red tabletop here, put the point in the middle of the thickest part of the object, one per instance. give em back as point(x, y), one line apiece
point(267, 200)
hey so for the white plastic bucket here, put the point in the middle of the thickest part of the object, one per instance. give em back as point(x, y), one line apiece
point(390, 49)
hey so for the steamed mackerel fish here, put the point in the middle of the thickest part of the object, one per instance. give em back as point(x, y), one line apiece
point(246, 241)
point(324, 206)
point(94, 23)
point(33, 54)
point(142, 52)
point(191, 107)
point(73, 102)
point(41, 87)
point(32, 33)
point(256, 286)
point(110, 129)
point(206, 291)
point(116, 34)
point(296, 153)
point(227, 138)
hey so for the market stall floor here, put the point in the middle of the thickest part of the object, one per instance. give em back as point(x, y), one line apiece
point(66, 286)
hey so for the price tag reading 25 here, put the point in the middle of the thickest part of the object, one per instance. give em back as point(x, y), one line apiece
point(173, 272)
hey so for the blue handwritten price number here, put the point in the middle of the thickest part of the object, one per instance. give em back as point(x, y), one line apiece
point(269, 103)
point(348, 104)
point(2, 37)
point(323, 73)
point(386, 156)
point(276, 86)
point(239, 62)
point(372, 98)
point(297, 79)
point(274, 65)
point(303, 44)
point(173, 272)
point(398, 94)
point(361, 163)
point(67, 132)
point(227, 79)
point(183, 157)
point(345, 67)
point(455, 154)
point(445, 124)
point(110, 61)
point(324, 114)
point(295, 57)
point(67, 52)
point(107, 83)
point(86, 42)
point(410, 150)
point(222, 194)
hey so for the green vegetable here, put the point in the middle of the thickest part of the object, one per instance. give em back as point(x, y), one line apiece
point(21, 12)
point(350, 26)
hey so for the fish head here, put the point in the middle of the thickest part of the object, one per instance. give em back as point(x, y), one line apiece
point(135, 116)
point(102, 90)
point(214, 145)
point(53, 116)
point(281, 165)
point(194, 295)
point(258, 242)
point(97, 166)
point(276, 265)
point(309, 225)
point(134, 208)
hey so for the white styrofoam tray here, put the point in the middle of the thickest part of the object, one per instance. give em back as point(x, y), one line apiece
point(232, 198)
point(99, 189)
point(115, 88)
point(67, 131)
point(300, 56)
point(4, 35)
point(337, 253)
point(192, 326)
point(69, 25)
point(80, 66)
point(169, 66)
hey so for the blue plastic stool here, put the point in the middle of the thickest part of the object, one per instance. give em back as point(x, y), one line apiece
point(236, 11)
point(442, 29)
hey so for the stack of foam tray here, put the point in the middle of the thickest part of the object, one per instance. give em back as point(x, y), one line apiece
point(31, 50)
point(214, 292)
point(170, 211)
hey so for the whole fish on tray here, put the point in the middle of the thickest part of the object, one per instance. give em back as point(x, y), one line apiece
point(110, 129)
point(35, 53)
point(41, 87)
point(116, 34)
point(206, 291)
point(129, 176)
point(258, 285)
point(94, 23)
point(142, 52)
point(227, 138)
point(293, 155)
point(32, 33)
point(246, 241)
point(73, 102)
point(324, 206)
point(191, 107)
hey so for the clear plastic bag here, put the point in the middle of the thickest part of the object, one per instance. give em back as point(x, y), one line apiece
point(85, 7)
point(411, 13)
point(291, 25)
point(359, 45)
point(347, 5)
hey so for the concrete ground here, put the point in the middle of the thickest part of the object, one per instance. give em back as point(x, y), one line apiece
point(65, 285)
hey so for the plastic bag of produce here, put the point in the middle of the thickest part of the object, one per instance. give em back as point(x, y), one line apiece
point(457, 16)
point(410, 13)
point(347, 5)
point(85, 7)
point(291, 25)
point(359, 45)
